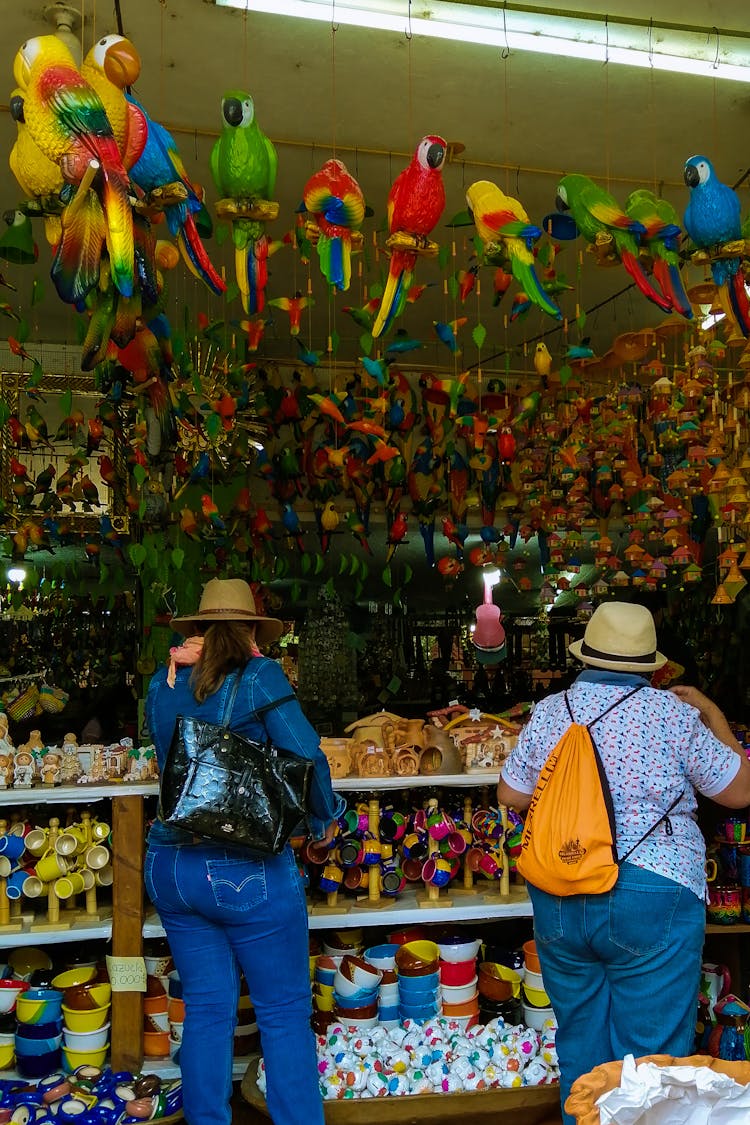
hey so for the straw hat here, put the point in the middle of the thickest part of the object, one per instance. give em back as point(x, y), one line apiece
point(229, 599)
point(620, 636)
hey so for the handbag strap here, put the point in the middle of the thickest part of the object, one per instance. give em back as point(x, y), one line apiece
point(259, 711)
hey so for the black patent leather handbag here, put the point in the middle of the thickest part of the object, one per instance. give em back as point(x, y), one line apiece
point(228, 789)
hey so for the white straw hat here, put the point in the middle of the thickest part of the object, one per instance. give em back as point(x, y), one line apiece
point(229, 599)
point(620, 636)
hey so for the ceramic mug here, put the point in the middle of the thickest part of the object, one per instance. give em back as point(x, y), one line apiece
point(100, 831)
point(14, 883)
point(6, 866)
point(330, 880)
point(371, 851)
point(350, 852)
point(51, 866)
point(415, 845)
point(712, 870)
point(437, 871)
point(355, 878)
point(34, 887)
point(36, 841)
point(392, 827)
point(97, 857)
point(104, 877)
point(724, 903)
point(69, 843)
point(392, 880)
point(412, 870)
point(735, 828)
point(69, 885)
point(12, 846)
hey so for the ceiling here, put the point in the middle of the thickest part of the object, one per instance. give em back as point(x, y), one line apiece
point(369, 96)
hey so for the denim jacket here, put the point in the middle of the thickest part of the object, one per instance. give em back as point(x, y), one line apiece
point(262, 682)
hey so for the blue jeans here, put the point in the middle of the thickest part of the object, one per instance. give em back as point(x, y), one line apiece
point(223, 912)
point(621, 969)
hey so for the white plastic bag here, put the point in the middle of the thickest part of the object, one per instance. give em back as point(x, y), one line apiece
point(674, 1095)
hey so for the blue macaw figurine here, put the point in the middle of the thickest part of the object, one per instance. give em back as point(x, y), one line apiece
point(713, 217)
point(158, 165)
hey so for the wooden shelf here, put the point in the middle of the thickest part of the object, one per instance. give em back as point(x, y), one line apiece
point(420, 781)
point(77, 794)
point(82, 929)
point(735, 928)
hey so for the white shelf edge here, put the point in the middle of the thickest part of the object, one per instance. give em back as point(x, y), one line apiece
point(70, 794)
point(78, 931)
point(165, 1068)
point(417, 781)
point(485, 907)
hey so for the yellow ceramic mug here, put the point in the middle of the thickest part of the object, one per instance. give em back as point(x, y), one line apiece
point(72, 841)
point(99, 831)
point(51, 866)
point(97, 857)
point(69, 885)
point(104, 876)
point(37, 840)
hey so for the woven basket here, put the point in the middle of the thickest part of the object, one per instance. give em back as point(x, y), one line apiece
point(52, 699)
point(24, 705)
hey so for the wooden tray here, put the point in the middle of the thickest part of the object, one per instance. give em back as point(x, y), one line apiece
point(527, 1105)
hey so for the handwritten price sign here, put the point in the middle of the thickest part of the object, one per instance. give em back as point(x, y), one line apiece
point(127, 974)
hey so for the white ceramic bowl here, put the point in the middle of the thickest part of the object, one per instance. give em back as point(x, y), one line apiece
point(346, 987)
point(372, 1021)
point(86, 1040)
point(388, 994)
point(459, 950)
point(535, 1017)
point(534, 980)
point(382, 956)
point(360, 972)
point(459, 993)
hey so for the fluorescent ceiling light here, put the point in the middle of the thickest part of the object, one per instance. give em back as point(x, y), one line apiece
point(700, 52)
point(16, 574)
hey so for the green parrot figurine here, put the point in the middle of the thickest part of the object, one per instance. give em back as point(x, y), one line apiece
point(243, 166)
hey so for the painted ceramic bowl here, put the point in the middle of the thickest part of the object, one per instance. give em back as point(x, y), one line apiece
point(454, 973)
point(86, 1041)
point(10, 990)
point(531, 957)
point(88, 995)
point(89, 1020)
point(89, 1057)
point(459, 993)
point(360, 972)
point(456, 949)
point(71, 977)
point(39, 1005)
point(417, 958)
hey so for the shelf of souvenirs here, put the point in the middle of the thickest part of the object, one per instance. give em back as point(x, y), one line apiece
point(71, 794)
point(165, 1068)
point(411, 906)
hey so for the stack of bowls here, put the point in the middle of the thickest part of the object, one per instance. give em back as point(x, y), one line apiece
point(355, 992)
point(383, 957)
point(418, 980)
point(341, 942)
point(324, 975)
point(458, 978)
point(38, 1037)
point(536, 1002)
point(86, 1006)
point(7, 1041)
point(176, 1013)
point(155, 1019)
point(499, 992)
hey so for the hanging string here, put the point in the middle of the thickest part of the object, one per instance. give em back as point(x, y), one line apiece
point(409, 115)
point(505, 52)
point(245, 50)
point(607, 149)
point(652, 99)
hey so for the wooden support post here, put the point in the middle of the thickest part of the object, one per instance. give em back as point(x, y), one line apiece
point(127, 933)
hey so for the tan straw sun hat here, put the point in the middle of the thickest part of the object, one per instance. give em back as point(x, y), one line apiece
point(620, 636)
point(229, 599)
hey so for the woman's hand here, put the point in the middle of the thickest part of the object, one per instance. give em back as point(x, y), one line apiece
point(330, 832)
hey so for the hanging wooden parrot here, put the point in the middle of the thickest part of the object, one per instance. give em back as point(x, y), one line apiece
point(505, 229)
point(335, 200)
point(110, 67)
point(713, 217)
point(603, 223)
point(243, 166)
point(67, 121)
point(39, 177)
point(415, 203)
point(662, 240)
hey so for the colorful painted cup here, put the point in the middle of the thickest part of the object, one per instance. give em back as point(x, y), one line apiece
point(392, 827)
point(453, 845)
point(436, 871)
point(331, 877)
point(15, 882)
point(415, 845)
point(735, 829)
point(371, 851)
point(743, 866)
point(350, 852)
point(724, 903)
point(392, 880)
point(412, 870)
point(440, 825)
point(356, 878)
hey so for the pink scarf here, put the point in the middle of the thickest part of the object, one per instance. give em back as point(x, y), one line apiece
point(190, 653)
point(187, 653)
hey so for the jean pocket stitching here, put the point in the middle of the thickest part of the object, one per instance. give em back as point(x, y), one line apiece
point(228, 892)
point(626, 941)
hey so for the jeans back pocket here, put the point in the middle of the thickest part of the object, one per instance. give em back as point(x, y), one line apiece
point(237, 884)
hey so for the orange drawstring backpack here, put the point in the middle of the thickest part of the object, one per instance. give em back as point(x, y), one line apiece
point(569, 844)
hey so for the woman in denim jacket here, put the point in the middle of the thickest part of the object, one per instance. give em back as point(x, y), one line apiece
point(228, 909)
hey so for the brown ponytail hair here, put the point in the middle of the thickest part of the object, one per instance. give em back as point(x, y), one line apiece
point(226, 645)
